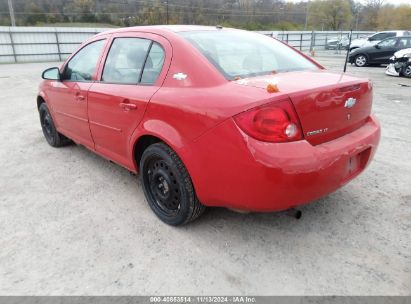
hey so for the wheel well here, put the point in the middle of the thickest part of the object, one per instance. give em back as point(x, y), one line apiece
point(364, 54)
point(142, 143)
point(40, 100)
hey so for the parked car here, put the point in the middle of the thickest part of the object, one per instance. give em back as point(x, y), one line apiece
point(211, 117)
point(400, 64)
point(375, 38)
point(379, 53)
point(337, 43)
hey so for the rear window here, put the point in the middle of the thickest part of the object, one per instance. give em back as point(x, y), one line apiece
point(244, 54)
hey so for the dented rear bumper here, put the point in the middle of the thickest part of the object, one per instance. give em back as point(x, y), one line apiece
point(240, 172)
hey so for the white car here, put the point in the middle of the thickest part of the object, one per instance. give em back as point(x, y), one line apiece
point(400, 64)
point(375, 38)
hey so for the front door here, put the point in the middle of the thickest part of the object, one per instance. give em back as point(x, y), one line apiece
point(68, 97)
point(383, 51)
point(129, 78)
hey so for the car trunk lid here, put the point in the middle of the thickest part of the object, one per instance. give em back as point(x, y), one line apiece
point(328, 105)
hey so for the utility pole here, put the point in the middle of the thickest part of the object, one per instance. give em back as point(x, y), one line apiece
point(306, 15)
point(11, 11)
point(167, 11)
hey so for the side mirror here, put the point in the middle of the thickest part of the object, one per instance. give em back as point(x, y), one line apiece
point(51, 74)
point(377, 46)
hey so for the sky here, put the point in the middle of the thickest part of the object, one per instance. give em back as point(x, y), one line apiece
point(394, 2)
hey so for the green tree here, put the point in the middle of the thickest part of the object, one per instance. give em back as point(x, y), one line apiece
point(334, 14)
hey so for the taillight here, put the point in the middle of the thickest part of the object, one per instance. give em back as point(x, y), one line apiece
point(275, 122)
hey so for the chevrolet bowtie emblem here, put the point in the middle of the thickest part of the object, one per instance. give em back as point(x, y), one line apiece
point(180, 76)
point(350, 102)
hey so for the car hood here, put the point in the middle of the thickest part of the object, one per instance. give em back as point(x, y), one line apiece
point(363, 42)
point(403, 52)
point(364, 49)
point(358, 42)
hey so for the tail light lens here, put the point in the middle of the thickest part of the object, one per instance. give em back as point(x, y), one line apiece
point(275, 122)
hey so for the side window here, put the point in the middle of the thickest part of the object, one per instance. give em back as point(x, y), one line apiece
point(388, 43)
point(390, 34)
point(377, 37)
point(154, 64)
point(382, 36)
point(403, 42)
point(125, 60)
point(83, 65)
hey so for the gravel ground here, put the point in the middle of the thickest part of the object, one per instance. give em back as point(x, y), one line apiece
point(72, 223)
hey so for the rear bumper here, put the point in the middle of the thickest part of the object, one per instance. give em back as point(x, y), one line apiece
point(240, 172)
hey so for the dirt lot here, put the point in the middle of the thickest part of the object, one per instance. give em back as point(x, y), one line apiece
point(74, 223)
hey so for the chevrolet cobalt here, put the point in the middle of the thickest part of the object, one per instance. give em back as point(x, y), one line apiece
point(210, 116)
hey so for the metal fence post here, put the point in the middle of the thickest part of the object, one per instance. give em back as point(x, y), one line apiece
point(312, 42)
point(57, 43)
point(301, 41)
point(12, 45)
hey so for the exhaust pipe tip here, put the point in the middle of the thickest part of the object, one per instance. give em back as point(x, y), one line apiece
point(295, 213)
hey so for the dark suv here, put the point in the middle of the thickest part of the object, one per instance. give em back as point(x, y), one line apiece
point(379, 53)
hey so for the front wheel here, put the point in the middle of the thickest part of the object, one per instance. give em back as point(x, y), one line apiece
point(54, 138)
point(168, 187)
point(407, 71)
point(360, 60)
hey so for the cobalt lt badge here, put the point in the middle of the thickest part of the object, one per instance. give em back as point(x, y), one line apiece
point(350, 102)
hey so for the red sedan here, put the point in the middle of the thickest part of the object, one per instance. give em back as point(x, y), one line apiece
point(211, 117)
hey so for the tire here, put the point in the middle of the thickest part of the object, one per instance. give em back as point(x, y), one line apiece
point(360, 60)
point(406, 72)
point(168, 187)
point(54, 138)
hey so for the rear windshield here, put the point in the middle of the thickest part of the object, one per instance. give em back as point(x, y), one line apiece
point(240, 54)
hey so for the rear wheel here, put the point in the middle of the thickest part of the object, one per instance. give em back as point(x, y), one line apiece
point(360, 60)
point(168, 186)
point(54, 138)
point(407, 71)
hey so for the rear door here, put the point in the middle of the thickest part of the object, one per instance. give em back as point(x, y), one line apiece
point(133, 69)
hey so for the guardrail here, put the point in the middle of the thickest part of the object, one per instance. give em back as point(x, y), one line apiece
point(31, 44)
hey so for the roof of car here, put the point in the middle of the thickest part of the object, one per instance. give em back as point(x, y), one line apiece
point(159, 29)
point(398, 37)
point(398, 31)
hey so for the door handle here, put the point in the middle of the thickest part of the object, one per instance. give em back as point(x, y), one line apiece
point(80, 97)
point(127, 106)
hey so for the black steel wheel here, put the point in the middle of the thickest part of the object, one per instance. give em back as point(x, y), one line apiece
point(168, 186)
point(54, 138)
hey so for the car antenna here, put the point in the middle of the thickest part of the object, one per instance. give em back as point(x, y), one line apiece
point(348, 52)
